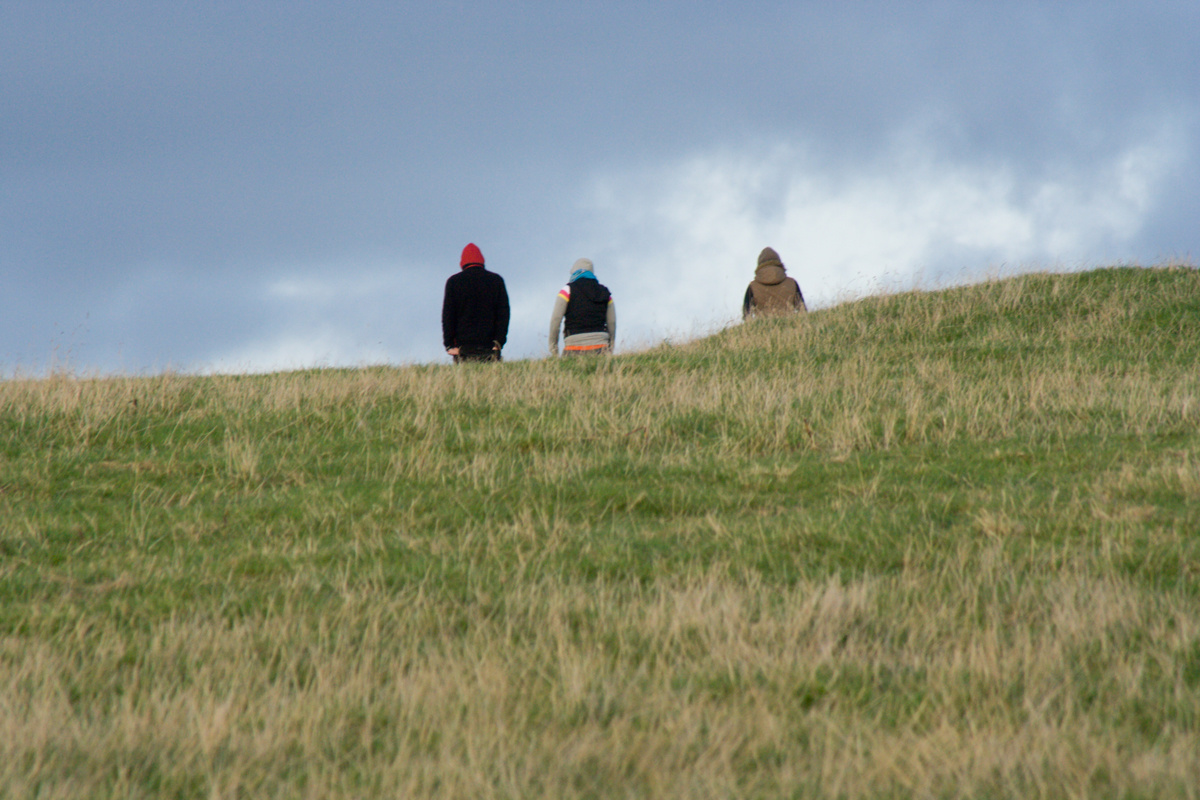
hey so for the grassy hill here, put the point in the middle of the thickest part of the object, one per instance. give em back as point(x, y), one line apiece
point(923, 545)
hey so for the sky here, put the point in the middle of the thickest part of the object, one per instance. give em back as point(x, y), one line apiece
point(226, 187)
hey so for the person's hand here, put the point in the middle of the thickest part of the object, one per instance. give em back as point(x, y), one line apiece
point(453, 351)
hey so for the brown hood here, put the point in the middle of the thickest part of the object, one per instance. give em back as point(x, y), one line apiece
point(770, 274)
point(770, 270)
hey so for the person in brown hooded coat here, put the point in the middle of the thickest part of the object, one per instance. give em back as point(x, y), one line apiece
point(772, 292)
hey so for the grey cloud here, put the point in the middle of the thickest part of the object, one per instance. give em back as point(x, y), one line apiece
point(191, 156)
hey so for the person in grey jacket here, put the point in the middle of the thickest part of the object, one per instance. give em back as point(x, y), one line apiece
point(585, 310)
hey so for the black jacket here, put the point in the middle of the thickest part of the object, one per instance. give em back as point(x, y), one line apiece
point(475, 310)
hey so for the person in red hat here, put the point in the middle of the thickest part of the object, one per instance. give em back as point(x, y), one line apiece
point(475, 311)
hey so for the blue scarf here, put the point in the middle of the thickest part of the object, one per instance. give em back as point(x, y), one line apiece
point(581, 273)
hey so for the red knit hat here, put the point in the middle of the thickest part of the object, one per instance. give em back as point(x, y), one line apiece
point(471, 257)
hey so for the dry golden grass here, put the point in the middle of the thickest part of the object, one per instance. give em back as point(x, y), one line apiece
point(924, 545)
point(701, 686)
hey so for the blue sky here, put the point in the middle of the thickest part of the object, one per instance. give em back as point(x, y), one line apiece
point(245, 186)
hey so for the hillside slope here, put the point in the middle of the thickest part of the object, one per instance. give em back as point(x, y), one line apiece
point(928, 544)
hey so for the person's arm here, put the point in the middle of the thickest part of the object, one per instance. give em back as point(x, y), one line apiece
point(748, 302)
point(612, 324)
point(449, 318)
point(502, 315)
point(556, 317)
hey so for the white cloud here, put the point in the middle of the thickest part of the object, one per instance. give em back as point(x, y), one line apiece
point(343, 315)
point(323, 347)
point(678, 244)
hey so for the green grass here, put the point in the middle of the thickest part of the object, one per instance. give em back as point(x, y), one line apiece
point(932, 544)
